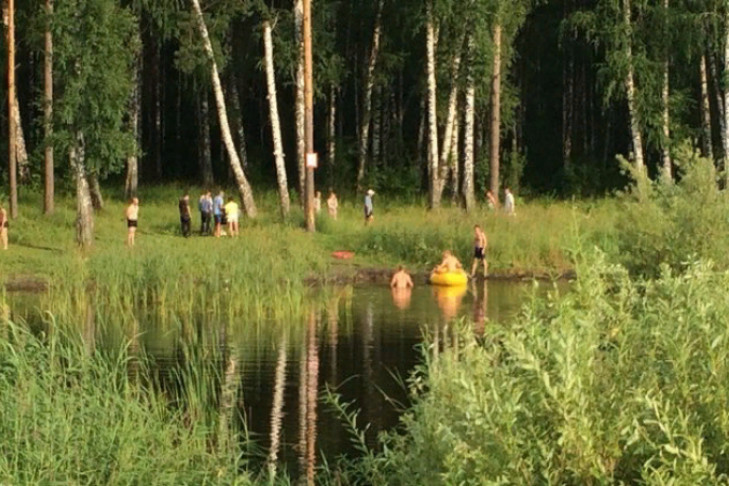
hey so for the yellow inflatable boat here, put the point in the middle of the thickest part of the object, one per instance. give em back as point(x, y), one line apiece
point(449, 279)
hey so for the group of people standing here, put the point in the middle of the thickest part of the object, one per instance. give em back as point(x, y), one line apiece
point(212, 210)
point(332, 204)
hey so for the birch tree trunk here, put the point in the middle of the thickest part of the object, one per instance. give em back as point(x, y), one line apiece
point(468, 141)
point(635, 133)
point(567, 107)
point(97, 199)
point(300, 109)
point(495, 144)
point(84, 207)
point(369, 82)
point(135, 108)
point(277, 409)
point(453, 160)
point(665, 119)
point(278, 151)
point(377, 127)
point(204, 144)
point(718, 95)
point(332, 129)
point(706, 143)
point(430, 39)
point(444, 163)
point(49, 183)
point(725, 105)
point(244, 188)
point(21, 154)
point(238, 120)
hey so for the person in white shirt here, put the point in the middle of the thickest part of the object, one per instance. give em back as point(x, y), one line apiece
point(509, 202)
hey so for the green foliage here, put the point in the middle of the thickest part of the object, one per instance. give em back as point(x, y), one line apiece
point(95, 47)
point(673, 224)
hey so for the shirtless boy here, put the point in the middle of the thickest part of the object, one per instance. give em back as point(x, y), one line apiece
point(479, 250)
point(332, 204)
point(4, 227)
point(401, 279)
point(449, 263)
point(132, 215)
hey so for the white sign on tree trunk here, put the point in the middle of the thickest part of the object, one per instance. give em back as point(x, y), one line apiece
point(312, 160)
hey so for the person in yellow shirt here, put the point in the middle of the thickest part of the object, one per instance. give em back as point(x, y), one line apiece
point(231, 213)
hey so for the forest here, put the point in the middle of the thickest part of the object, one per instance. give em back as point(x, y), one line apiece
point(448, 97)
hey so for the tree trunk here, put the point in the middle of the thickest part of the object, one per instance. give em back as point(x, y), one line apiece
point(725, 133)
point(135, 108)
point(666, 120)
point(97, 200)
point(9, 20)
point(716, 85)
point(300, 109)
point(449, 126)
point(567, 106)
point(84, 205)
point(277, 409)
point(49, 183)
point(369, 82)
point(204, 144)
point(278, 151)
point(635, 133)
point(376, 127)
point(453, 160)
point(432, 113)
point(705, 106)
point(244, 188)
point(468, 131)
point(21, 154)
point(495, 113)
point(238, 120)
point(332, 129)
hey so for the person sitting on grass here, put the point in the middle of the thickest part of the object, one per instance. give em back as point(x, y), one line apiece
point(479, 250)
point(332, 204)
point(132, 215)
point(401, 279)
point(4, 225)
point(449, 263)
point(231, 214)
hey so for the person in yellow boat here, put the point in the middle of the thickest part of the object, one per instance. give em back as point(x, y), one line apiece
point(449, 263)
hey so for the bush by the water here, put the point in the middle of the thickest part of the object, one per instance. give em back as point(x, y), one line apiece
point(620, 382)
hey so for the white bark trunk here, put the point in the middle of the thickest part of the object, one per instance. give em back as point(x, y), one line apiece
point(369, 82)
point(495, 145)
point(666, 122)
point(635, 132)
point(453, 160)
point(332, 129)
point(277, 409)
point(377, 127)
point(300, 108)
point(84, 207)
point(706, 142)
point(238, 114)
point(278, 151)
point(725, 133)
point(432, 113)
point(244, 188)
point(49, 183)
point(468, 142)
point(135, 108)
point(444, 164)
point(204, 143)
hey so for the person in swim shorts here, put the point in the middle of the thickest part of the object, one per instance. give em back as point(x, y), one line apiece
point(185, 215)
point(368, 206)
point(132, 215)
point(480, 242)
point(4, 225)
point(218, 203)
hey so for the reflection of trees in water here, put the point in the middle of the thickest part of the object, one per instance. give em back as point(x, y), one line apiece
point(480, 307)
point(227, 404)
point(312, 381)
point(277, 408)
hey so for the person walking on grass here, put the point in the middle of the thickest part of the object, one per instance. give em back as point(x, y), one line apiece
point(4, 225)
point(491, 201)
point(401, 279)
point(185, 216)
point(509, 208)
point(132, 215)
point(317, 202)
point(480, 243)
point(205, 205)
point(231, 214)
point(218, 203)
point(368, 207)
point(332, 204)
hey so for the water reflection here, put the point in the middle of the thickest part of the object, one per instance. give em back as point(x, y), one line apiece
point(354, 339)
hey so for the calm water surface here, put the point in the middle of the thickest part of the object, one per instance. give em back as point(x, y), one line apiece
point(362, 341)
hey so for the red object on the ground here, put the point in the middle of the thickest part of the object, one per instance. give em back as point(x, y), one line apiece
point(343, 255)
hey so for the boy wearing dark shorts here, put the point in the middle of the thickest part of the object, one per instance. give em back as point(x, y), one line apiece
point(479, 250)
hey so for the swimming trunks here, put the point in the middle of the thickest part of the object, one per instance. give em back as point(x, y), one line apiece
point(478, 253)
point(218, 219)
point(131, 223)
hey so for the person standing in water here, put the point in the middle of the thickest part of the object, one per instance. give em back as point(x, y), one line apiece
point(185, 216)
point(132, 215)
point(4, 225)
point(332, 204)
point(368, 206)
point(401, 279)
point(480, 242)
point(231, 214)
